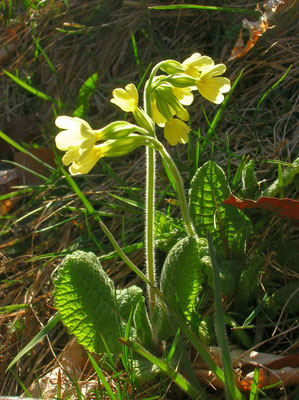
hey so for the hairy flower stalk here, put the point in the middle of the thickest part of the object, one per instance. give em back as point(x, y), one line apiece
point(150, 210)
point(127, 100)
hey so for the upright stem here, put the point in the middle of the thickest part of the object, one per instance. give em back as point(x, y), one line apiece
point(149, 223)
point(150, 209)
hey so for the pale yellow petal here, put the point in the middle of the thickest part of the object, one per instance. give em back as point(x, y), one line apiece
point(65, 122)
point(211, 91)
point(215, 70)
point(157, 116)
point(196, 63)
point(67, 139)
point(85, 163)
point(132, 91)
point(176, 131)
point(70, 156)
point(183, 114)
point(204, 62)
point(71, 123)
point(184, 95)
point(191, 60)
point(86, 145)
point(126, 99)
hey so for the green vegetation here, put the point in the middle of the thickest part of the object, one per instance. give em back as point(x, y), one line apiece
point(156, 283)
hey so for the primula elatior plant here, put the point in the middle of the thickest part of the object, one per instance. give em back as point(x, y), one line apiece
point(89, 305)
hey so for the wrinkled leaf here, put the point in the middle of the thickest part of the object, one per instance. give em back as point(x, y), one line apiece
point(288, 176)
point(84, 297)
point(183, 274)
point(168, 231)
point(209, 188)
point(249, 182)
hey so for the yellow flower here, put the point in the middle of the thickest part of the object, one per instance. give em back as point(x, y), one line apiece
point(126, 99)
point(76, 139)
point(176, 131)
point(210, 85)
point(156, 115)
point(84, 163)
point(194, 64)
point(184, 95)
point(167, 101)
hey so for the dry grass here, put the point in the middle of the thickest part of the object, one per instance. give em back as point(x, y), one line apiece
point(102, 43)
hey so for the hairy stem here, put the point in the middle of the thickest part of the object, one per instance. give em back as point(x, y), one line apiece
point(149, 223)
point(150, 207)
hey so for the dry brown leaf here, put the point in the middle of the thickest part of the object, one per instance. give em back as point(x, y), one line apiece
point(72, 361)
point(273, 368)
point(9, 46)
point(283, 208)
point(257, 28)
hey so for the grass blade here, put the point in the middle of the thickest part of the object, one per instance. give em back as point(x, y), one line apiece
point(254, 386)
point(205, 8)
point(31, 89)
point(271, 88)
point(21, 148)
point(177, 378)
point(13, 308)
point(40, 176)
point(102, 377)
point(218, 116)
point(37, 338)
point(231, 391)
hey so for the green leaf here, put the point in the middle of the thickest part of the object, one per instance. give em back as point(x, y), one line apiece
point(84, 297)
point(143, 326)
point(144, 370)
point(86, 90)
point(285, 298)
point(248, 284)
point(250, 185)
point(127, 299)
point(183, 274)
point(288, 176)
point(206, 331)
point(209, 187)
point(168, 231)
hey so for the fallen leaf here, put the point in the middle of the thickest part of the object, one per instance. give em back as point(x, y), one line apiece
point(7, 48)
point(257, 28)
point(283, 208)
point(273, 369)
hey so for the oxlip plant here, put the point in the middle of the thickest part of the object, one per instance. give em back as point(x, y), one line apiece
point(87, 301)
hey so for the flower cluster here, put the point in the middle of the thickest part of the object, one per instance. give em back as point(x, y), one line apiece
point(79, 141)
point(169, 95)
point(196, 72)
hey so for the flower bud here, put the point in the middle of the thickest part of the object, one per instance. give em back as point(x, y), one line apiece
point(181, 80)
point(144, 121)
point(116, 130)
point(171, 67)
